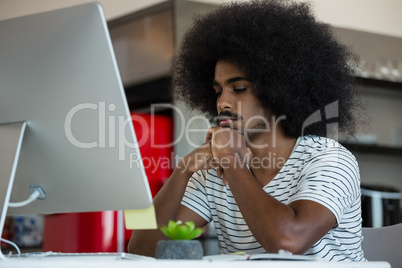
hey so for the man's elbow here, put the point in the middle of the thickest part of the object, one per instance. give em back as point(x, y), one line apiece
point(290, 244)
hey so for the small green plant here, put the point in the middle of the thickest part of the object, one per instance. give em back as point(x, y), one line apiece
point(181, 231)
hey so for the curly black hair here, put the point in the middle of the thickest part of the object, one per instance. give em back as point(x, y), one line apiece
point(296, 63)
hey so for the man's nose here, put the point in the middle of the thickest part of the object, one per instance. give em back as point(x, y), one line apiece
point(225, 101)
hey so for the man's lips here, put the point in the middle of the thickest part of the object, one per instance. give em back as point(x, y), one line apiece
point(226, 122)
point(230, 123)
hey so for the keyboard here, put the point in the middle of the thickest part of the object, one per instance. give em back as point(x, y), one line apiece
point(111, 255)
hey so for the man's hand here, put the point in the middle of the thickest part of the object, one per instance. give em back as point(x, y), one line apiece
point(223, 148)
point(199, 159)
point(228, 148)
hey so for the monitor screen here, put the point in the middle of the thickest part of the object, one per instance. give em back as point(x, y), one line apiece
point(58, 74)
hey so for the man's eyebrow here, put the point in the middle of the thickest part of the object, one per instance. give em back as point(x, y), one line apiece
point(232, 80)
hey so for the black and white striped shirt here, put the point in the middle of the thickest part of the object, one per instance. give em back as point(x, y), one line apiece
point(319, 169)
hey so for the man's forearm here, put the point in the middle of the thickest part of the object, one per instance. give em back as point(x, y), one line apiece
point(166, 204)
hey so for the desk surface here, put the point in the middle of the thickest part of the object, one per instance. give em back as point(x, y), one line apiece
point(100, 262)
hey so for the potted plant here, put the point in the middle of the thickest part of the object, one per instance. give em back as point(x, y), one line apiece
point(181, 244)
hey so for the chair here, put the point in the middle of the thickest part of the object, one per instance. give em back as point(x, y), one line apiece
point(383, 244)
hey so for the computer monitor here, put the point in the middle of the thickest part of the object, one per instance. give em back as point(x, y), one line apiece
point(65, 125)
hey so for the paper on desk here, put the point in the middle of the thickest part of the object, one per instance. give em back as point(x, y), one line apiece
point(140, 218)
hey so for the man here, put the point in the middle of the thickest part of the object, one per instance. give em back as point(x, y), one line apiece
point(267, 176)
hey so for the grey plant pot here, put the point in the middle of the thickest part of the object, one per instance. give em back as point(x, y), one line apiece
point(179, 249)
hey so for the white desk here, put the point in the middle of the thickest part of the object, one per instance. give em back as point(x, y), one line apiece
point(99, 262)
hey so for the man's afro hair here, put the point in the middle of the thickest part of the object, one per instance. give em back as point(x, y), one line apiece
point(297, 65)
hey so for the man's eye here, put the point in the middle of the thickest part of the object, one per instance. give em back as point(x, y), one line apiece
point(218, 93)
point(240, 89)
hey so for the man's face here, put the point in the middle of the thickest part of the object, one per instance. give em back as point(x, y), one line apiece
point(237, 105)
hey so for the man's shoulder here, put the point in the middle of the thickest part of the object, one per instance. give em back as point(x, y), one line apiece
point(316, 147)
point(318, 143)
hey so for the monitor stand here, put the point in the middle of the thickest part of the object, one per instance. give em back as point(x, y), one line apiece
point(11, 136)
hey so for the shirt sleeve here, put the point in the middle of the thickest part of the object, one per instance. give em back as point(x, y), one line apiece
point(195, 196)
point(332, 179)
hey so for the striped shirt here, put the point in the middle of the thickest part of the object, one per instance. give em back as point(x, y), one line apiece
point(319, 169)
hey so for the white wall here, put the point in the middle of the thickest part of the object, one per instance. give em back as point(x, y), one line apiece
point(112, 8)
point(377, 16)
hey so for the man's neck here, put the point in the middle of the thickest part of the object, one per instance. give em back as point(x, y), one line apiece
point(270, 153)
